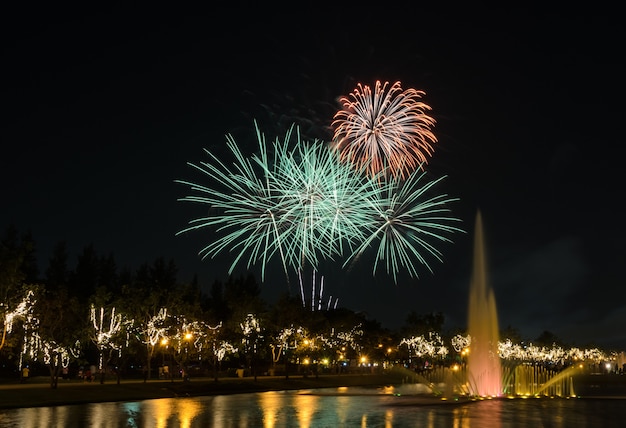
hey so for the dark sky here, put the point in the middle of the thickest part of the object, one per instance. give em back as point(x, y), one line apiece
point(102, 112)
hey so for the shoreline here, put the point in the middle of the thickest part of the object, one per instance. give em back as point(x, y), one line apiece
point(37, 392)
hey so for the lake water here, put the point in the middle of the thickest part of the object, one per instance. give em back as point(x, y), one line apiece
point(341, 407)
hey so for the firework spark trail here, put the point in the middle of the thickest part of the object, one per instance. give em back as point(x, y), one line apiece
point(327, 201)
point(308, 206)
point(384, 130)
point(317, 297)
point(404, 217)
point(249, 205)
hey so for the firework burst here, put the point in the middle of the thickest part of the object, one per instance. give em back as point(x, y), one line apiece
point(385, 130)
point(301, 206)
point(405, 217)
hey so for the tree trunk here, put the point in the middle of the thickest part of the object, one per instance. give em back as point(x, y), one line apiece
point(54, 375)
point(148, 369)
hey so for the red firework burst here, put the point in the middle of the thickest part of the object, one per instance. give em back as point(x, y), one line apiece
point(386, 131)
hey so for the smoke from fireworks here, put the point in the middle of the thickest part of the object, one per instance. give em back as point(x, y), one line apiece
point(386, 130)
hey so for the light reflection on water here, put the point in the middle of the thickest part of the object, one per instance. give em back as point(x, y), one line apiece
point(346, 407)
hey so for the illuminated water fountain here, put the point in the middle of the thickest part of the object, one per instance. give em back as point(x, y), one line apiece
point(484, 374)
point(537, 380)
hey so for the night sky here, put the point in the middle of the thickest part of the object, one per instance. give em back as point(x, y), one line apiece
point(102, 113)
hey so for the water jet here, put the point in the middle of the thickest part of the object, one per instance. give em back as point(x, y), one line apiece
point(484, 374)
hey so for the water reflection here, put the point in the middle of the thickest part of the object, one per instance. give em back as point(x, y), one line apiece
point(343, 409)
point(459, 418)
point(306, 406)
point(337, 408)
point(130, 412)
point(42, 417)
point(100, 415)
point(178, 412)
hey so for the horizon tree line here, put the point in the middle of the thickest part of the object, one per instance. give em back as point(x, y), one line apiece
point(95, 312)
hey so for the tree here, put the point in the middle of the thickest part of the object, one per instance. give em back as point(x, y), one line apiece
point(416, 324)
point(60, 329)
point(107, 274)
point(29, 259)
point(57, 273)
point(107, 334)
point(147, 301)
point(215, 306)
point(85, 278)
point(547, 338)
point(242, 296)
point(20, 313)
point(511, 333)
point(253, 336)
point(16, 267)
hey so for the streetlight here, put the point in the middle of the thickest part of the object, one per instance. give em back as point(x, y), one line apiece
point(188, 336)
point(165, 370)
